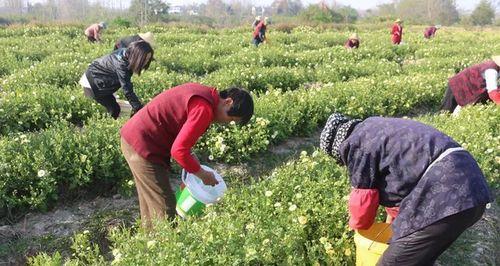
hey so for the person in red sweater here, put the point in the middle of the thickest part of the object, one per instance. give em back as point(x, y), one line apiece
point(352, 42)
point(259, 33)
point(397, 32)
point(168, 127)
point(475, 84)
point(93, 32)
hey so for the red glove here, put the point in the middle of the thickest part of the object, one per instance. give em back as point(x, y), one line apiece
point(495, 95)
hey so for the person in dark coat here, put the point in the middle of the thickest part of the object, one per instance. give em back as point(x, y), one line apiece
point(107, 74)
point(126, 41)
point(429, 32)
point(475, 84)
point(352, 42)
point(259, 34)
point(433, 187)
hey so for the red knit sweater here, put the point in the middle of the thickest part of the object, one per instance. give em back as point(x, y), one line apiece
point(171, 124)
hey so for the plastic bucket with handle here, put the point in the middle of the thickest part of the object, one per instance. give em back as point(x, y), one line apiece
point(371, 243)
point(192, 199)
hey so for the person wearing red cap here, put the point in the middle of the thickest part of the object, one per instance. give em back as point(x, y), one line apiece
point(475, 84)
point(168, 127)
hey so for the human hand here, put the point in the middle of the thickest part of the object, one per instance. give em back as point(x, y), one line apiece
point(207, 177)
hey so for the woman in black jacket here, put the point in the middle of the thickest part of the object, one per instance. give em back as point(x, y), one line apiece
point(107, 74)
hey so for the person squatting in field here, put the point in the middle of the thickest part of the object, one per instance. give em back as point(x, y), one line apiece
point(168, 127)
point(107, 74)
point(352, 42)
point(93, 32)
point(126, 41)
point(397, 32)
point(475, 84)
point(431, 186)
point(259, 33)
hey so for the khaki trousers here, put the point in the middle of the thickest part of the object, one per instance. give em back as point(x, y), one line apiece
point(156, 198)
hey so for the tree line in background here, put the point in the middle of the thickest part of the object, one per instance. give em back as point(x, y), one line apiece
point(237, 12)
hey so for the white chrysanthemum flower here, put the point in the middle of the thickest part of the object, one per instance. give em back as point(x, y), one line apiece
point(151, 243)
point(268, 193)
point(292, 207)
point(41, 173)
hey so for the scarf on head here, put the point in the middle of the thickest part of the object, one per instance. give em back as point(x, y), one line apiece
point(336, 130)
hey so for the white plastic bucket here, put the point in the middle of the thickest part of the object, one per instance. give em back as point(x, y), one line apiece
point(192, 199)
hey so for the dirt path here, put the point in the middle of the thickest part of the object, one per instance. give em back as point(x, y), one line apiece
point(52, 230)
point(31, 234)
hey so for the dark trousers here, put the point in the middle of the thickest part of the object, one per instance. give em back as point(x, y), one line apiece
point(424, 246)
point(256, 41)
point(109, 102)
point(449, 103)
point(91, 39)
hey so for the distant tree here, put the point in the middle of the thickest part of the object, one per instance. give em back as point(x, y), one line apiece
point(448, 13)
point(320, 13)
point(386, 10)
point(349, 14)
point(144, 11)
point(428, 11)
point(287, 7)
point(483, 14)
point(14, 6)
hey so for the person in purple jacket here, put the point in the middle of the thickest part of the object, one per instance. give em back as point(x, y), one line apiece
point(429, 32)
point(433, 187)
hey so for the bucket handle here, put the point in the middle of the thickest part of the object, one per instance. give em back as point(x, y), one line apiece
point(183, 176)
point(388, 225)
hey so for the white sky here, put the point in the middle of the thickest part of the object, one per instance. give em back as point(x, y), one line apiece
point(466, 5)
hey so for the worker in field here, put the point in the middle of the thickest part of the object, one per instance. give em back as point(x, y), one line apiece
point(432, 187)
point(93, 32)
point(352, 42)
point(430, 32)
point(168, 127)
point(259, 34)
point(126, 41)
point(475, 84)
point(397, 32)
point(107, 74)
point(256, 22)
